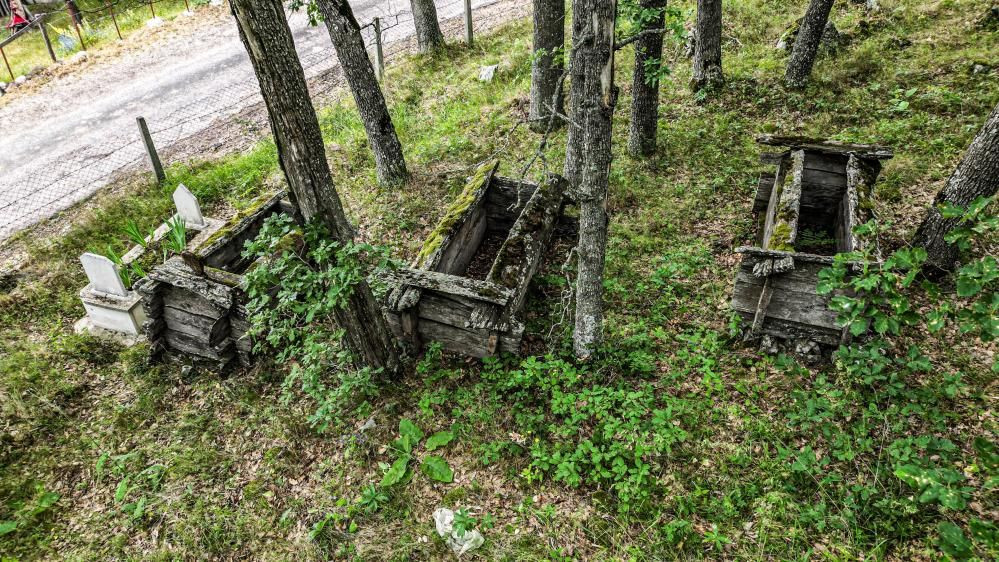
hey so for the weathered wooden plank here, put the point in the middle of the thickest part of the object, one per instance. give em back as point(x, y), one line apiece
point(834, 163)
point(209, 331)
point(763, 191)
point(805, 308)
point(177, 274)
point(784, 231)
point(504, 201)
point(860, 178)
point(780, 179)
point(766, 293)
point(464, 245)
point(773, 158)
point(827, 146)
point(224, 248)
point(822, 179)
point(189, 346)
point(456, 285)
point(798, 256)
point(523, 250)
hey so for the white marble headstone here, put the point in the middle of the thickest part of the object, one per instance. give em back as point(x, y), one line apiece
point(187, 206)
point(103, 274)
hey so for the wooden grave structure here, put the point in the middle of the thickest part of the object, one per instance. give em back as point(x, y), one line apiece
point(806, 211)
point(195, 303)
point(467, 285)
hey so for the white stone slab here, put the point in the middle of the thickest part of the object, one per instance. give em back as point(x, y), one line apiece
point(187, 206)
point(103, 274)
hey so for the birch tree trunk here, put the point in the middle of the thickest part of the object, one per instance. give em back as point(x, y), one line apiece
point(577, 76)
point(645, 91)
point(264, 31)
point(599, 98)
point(428, 30)
point(976, 176)
point(707, 47)
point(345, 32)
point(806, 46)
point(547, 67)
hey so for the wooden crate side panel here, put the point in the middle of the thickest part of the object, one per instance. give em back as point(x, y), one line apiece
point(794, 299)
point(464, 244)
point(504, 201)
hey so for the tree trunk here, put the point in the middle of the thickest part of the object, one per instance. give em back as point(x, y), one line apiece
point(707, 48)
point(428, 31)
point(645, 90)
point(599, 98)
point(547, 68)
point(806, 46)
point(390, 165)
point(976, 176)
point(264, 31)
point(577, 76)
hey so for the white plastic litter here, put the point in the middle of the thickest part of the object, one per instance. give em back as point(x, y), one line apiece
point(486, 73)
point(444, 521)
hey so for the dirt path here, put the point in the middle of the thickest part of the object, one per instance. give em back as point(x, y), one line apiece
point(65, 141)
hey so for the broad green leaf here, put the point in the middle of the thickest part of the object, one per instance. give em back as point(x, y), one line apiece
point(7, 527)
point(408, 429)
point(122, 490)
point(48, 499)
point(395, 474)
point(437, 469)
point(439, 439)
point(967, 287)
point(952, 541)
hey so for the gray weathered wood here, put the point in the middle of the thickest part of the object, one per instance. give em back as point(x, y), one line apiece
point(154, 158)
point(827, 146)
point(454, 284)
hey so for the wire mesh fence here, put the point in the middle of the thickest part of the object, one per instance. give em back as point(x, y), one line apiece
point(183, 129)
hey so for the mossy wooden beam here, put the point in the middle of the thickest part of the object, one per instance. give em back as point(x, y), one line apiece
point(464, 206)
point(860, 177)
point(785, 223)
point(451, 284)
point(827, 146)
point(523, 250)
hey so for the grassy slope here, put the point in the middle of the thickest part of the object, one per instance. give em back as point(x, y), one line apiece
point(246, 477)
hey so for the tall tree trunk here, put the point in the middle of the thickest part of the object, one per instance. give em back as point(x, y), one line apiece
point(264, 31)
point(976, 176)
point(390, 165)
point(645, 89)
point(577, 76)
point(600, 96)
point(707, 47)
point(428, 30)
point(806, 46)
point(547, 67)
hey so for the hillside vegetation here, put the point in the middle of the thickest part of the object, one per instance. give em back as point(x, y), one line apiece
point(679, 441)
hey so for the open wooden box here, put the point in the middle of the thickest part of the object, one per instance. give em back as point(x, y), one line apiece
point(466, 287)
point(195, 303)
point(806, 210)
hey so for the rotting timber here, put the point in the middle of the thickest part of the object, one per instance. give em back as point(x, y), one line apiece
point(195, 303)
point(806, 212)
point(441, 299)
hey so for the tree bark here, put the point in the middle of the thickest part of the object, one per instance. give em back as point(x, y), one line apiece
point(976, 176)
point(547, 67)
point(577, 76)
point(600, 96)
point(345, 32)
point(707, 48)
point(806, 46)
point(428, 30)
point(645, 91)
point(264, 31)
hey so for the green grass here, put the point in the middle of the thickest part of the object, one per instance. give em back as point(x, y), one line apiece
point(28, 52)
point(748, 457)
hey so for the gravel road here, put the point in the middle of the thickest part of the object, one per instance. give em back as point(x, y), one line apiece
point(64, 141)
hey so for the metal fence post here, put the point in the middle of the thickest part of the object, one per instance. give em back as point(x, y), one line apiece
point(114, 19)
point(7, 63)
point(76, 25)
point(468, 22)
point(154, 158)
point(45, 37)
point(379, 58)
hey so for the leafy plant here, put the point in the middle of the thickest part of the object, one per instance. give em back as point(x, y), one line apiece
point(176, 237)
point(434, 467)
point(135, 234)
point(30, 511)
point(304, 279)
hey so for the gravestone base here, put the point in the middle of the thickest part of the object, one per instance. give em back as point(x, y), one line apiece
point(106, 312)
